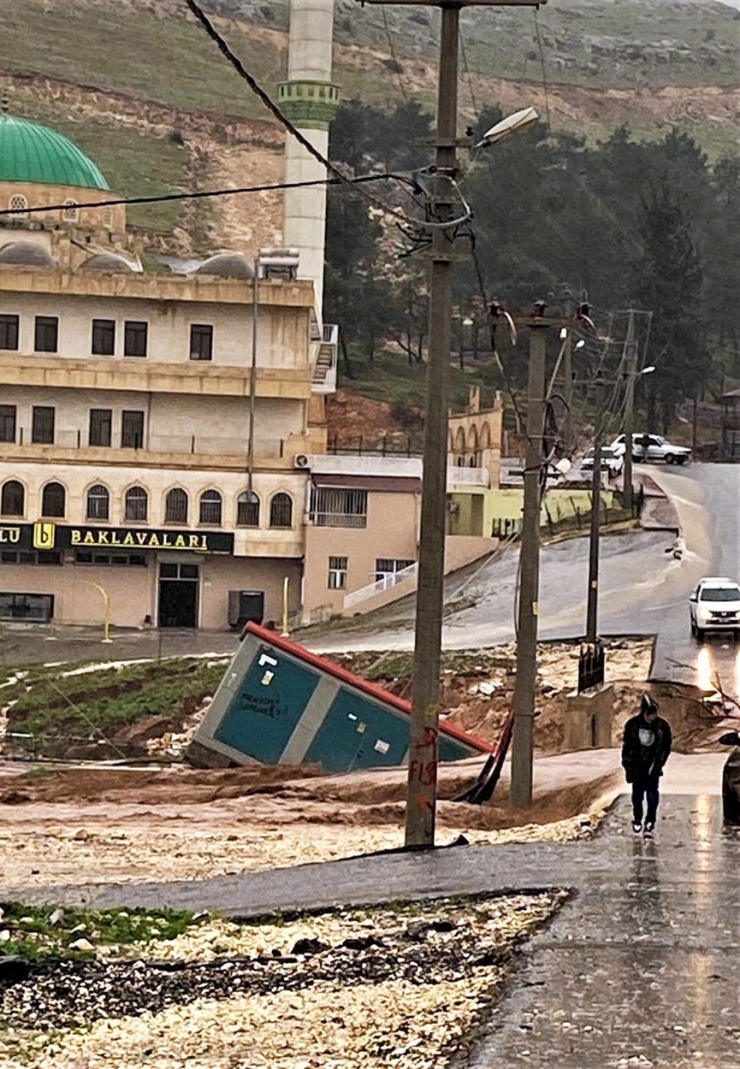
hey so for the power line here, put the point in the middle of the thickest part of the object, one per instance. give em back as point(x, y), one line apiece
point(468, 74)
point(272, 107)
point(542, 65)
point(202, 194)
point(392, 51)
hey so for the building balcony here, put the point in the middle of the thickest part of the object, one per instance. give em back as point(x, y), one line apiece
point(131, 374)
point(161, 451)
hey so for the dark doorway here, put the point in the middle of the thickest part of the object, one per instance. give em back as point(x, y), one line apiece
point(178, 595)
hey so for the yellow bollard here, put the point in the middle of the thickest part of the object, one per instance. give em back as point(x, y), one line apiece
point(286, 624)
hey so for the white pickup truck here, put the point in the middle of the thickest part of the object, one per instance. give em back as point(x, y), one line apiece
point(658, 448)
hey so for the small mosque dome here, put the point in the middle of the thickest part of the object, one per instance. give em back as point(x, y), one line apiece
point(107, 261)
point(226, 265)
point(26, 254)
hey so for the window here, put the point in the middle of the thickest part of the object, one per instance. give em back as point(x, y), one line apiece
point(210, 508)
point(281, 511)
point(176, 507)
point(339, 508)
point(42, 425)
point(386, 570)
point(85, 556)
point(46, 334)
point(13, 498)
point(103, 337)
point(137, 504)
point(248, 510)
point(132, 430)
point(18, 204)
point(26, 606)
point(53, 500)
point(135, 335)
point(23, 556)
point(70, 212)
point(101, 422)
point(7, 423)
point(98, 503)
point(201, 342)
point(337, 573)
point(9, 331)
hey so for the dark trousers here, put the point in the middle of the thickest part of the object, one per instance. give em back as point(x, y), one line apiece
point(645, 785)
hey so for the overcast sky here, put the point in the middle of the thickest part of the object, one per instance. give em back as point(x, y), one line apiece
point(731, 3)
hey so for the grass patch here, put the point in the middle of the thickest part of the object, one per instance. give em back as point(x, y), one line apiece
point(49, 706)
point(40, 932)
point(391, 378)
point(165, 58)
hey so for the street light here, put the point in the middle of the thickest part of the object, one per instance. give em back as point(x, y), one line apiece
point(509, 127)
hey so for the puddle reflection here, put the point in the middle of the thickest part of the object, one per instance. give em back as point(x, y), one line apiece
point(718, 667)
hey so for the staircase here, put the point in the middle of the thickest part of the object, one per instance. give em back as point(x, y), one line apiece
point(324, 375)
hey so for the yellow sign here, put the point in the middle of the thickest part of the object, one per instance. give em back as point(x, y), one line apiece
point(44, 535)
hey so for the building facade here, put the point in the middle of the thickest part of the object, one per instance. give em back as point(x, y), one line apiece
point(149, 423)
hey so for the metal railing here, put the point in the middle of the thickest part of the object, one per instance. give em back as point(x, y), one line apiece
point(388, 582)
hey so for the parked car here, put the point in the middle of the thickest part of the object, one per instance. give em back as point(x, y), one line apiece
point(714, 605)
point(658, 448)
point(611, 461)
point(731, 779)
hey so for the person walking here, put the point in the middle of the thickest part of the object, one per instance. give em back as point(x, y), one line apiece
point(646, 747)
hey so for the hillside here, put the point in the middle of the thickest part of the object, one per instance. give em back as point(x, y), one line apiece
point(139, 87)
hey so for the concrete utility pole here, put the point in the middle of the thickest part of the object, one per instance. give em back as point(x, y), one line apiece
point(422, 775)
point(421, 796)
point(424, 729)
point(593, 549)
point(529, 569)
point(629, 409)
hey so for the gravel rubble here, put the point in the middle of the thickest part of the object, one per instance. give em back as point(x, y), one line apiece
point(359, 988)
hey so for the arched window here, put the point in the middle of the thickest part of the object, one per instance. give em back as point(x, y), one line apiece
point(70, 211)
point(248, 510)
point(176, 507)
point(13, 498)
point(137, 504)
point(98, 503)
point(18, 204)
point(53, 500)
point(210, 508)
point(281, 511)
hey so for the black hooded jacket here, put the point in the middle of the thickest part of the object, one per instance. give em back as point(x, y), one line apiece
point(637, 758)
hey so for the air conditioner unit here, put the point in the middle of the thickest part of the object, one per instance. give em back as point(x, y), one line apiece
point(301, 460)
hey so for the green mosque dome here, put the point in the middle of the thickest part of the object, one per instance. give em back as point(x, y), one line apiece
point(33, 153)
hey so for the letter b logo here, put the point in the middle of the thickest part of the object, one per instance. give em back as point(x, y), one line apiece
point(44, 535)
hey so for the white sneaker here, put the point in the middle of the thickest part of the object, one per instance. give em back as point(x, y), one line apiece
point(648, 831)
point(637, 828)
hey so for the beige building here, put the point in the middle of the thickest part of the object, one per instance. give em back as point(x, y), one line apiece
point(147, 447)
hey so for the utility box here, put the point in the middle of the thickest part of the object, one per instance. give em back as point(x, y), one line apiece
point(280, 704)
point(246, 606)
point(589, 719)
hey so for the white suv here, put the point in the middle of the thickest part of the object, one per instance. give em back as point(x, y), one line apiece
point(658, 448)
point(714, 605)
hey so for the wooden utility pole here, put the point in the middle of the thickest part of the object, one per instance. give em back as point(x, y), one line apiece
point(529, 569)
point(629, 409)
point(421, 796)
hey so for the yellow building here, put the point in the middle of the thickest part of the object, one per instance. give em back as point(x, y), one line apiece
point(127, 411)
